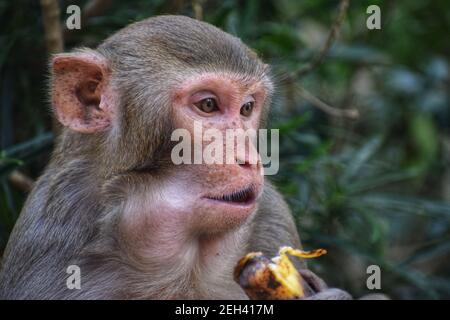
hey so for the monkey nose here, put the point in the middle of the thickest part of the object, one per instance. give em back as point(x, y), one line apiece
point(249, 162)
point(247, 157)
point(244, 164)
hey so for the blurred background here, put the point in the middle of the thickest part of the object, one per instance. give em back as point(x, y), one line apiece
point(364, 119)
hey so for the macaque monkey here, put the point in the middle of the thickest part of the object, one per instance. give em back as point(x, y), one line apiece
point(112, 202)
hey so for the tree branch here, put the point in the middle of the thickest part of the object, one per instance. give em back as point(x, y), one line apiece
point(198, 9)
point(342, 113)
point(21, 181)
point(334, 32)
point(52, 26)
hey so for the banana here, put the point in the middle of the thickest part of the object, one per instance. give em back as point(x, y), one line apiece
point(273, 279)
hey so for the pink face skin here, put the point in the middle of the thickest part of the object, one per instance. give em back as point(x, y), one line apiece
point(229, 93)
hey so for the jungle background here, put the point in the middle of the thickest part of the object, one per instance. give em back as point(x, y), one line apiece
point(364, 121)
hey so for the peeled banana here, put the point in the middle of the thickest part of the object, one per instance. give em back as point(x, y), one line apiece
point(273, 279)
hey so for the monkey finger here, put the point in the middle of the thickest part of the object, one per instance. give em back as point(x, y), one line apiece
point(315, 282)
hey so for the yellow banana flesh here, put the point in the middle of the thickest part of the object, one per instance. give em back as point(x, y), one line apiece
point(273, 279)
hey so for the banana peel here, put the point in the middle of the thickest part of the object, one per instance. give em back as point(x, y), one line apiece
point(273, 279)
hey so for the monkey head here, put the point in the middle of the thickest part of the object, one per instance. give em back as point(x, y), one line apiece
point(119, 105)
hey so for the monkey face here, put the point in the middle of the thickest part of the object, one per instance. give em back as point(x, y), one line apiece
point(210, 197)
point(211, 108)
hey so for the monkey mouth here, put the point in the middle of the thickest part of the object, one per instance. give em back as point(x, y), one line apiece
point(246, 196)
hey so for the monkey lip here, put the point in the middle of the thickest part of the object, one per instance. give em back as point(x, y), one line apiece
point(242, 197)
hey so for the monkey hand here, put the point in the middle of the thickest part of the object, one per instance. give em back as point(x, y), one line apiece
point(323, 292)
point(319, 289)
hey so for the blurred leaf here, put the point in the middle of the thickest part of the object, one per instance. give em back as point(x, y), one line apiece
point(361, 157)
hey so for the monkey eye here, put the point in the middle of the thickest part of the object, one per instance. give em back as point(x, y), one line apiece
point(207, 105)
point(247, 108)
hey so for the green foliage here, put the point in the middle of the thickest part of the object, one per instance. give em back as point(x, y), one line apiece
point(374, 190)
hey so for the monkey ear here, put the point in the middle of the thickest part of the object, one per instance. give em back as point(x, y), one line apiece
point(82, 98)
